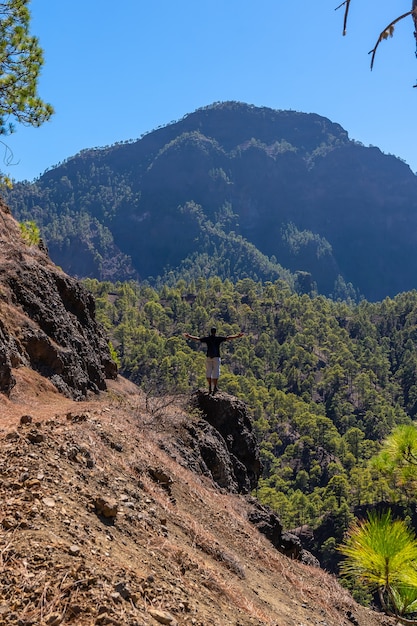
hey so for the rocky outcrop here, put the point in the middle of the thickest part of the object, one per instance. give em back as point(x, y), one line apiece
point(227, 442)
point(47, 320)
point(8, 357)
point(212, 456)
point(224, 447)
point(288, 542)
point(266, 521)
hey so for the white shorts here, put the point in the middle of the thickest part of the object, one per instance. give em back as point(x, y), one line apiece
point(213, 367)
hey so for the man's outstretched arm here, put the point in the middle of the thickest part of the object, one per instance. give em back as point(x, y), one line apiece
point(188, 336)
point(237, 336)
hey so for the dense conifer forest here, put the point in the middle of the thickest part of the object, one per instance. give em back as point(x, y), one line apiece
point(326, 383)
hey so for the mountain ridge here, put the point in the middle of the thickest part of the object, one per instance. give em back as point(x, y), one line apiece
point(124, 211)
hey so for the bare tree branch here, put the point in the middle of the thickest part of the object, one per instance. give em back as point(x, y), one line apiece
point(346, 4)
point(388, 32)
point(414, 12)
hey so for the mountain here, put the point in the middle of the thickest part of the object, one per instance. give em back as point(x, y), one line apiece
point(120, 510)
point(238, 191)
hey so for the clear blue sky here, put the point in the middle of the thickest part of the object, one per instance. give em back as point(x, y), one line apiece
point(114, 70)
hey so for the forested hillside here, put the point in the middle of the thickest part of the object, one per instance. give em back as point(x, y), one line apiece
point(234, 191)
point(326, 383)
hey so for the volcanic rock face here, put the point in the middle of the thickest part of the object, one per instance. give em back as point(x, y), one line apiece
point(227, 442)
point(47, 320)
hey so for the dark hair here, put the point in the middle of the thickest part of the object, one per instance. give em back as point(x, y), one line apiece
point(213, 330)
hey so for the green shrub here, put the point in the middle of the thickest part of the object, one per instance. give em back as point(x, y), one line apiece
point(30, 233)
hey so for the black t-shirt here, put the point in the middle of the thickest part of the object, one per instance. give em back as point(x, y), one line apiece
point(213, 345)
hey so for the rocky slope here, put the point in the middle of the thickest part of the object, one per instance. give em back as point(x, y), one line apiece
point(103, 522)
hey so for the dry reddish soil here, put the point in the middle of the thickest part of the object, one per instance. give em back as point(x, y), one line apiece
point(98, 525)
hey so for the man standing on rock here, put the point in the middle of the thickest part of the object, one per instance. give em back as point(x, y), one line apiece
point(213, 355)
